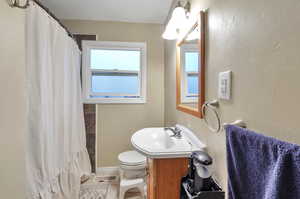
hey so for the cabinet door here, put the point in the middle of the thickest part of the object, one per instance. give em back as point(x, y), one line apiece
point(164, 178)
point(168, 177)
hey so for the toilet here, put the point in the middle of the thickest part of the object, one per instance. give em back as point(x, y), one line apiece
point(132, 163)
point(132, 172)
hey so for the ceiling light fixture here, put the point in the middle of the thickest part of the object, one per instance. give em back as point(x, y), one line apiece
point(194, 35)
point(178, 20)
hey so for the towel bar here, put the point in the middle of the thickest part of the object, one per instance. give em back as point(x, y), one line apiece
point(239, 123)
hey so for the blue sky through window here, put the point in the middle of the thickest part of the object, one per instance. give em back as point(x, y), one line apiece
point(115, 83)
point(191, 61)
point(115, 59)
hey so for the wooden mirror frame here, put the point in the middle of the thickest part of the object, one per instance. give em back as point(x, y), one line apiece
point(201, 97)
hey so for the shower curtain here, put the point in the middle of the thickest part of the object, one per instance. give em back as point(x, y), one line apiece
point(56, 154)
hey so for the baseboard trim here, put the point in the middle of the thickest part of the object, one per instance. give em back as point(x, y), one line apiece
point(107, 171)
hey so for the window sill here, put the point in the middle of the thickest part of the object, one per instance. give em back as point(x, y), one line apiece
point(114, 101)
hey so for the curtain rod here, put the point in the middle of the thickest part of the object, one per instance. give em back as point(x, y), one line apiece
point(15, 3)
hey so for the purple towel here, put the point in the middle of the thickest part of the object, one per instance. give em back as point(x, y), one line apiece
point(261, 167)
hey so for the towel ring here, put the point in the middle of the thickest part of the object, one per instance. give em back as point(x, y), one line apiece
point(213, 105)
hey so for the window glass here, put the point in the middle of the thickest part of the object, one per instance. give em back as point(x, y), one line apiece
point(191, 61)
point(115, 72)
point(192, 84)
point(115, 83)
point(115, 59)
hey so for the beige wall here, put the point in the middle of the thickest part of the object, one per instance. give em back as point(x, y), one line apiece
point(259, 41)
point(12, 102)
point(116, 123)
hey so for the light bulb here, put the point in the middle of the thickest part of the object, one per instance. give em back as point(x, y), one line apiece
point(179, 17)
point(176, 23)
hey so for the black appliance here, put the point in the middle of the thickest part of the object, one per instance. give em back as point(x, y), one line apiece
point(199, 184)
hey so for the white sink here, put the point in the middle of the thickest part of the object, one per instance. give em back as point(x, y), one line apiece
point(158, 143)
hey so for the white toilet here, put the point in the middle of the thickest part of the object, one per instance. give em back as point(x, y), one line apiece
point(132, 172)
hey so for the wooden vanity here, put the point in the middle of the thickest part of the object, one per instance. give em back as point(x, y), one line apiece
point(167, 151)
point(164, 177)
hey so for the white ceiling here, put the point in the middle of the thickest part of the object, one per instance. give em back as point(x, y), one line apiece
point(140, 11)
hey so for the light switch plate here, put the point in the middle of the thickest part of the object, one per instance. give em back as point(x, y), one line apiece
point(224, 90)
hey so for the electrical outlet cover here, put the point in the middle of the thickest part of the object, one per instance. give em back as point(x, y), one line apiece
point(224, 90)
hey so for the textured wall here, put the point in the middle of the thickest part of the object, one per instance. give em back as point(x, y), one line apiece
point(12, 102)
point(259, 41)
point(117, 122)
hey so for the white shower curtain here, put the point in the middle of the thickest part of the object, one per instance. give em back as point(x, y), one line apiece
point(56, 154)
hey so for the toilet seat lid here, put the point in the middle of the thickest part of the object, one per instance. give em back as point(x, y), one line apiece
point(132, 158)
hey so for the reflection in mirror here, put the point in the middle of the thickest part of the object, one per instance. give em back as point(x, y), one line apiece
point(190, 69)
point(189, 73)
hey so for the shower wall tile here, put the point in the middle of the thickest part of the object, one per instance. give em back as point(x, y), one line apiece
point(90, 126)
point(90, 123)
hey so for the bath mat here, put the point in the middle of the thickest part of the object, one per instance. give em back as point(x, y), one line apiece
point(94, 191)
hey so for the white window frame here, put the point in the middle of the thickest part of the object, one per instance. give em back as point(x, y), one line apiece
point(87, 46)
point(184, 82)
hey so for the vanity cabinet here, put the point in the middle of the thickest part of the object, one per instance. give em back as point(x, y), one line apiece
point(164, 177)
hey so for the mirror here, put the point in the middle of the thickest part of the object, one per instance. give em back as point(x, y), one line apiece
point(190, 69)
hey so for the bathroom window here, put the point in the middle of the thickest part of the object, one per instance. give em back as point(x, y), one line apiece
point(190, 71)
point(114, 72)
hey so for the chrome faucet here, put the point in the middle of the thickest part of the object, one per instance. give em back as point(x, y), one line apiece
point(176, 132)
